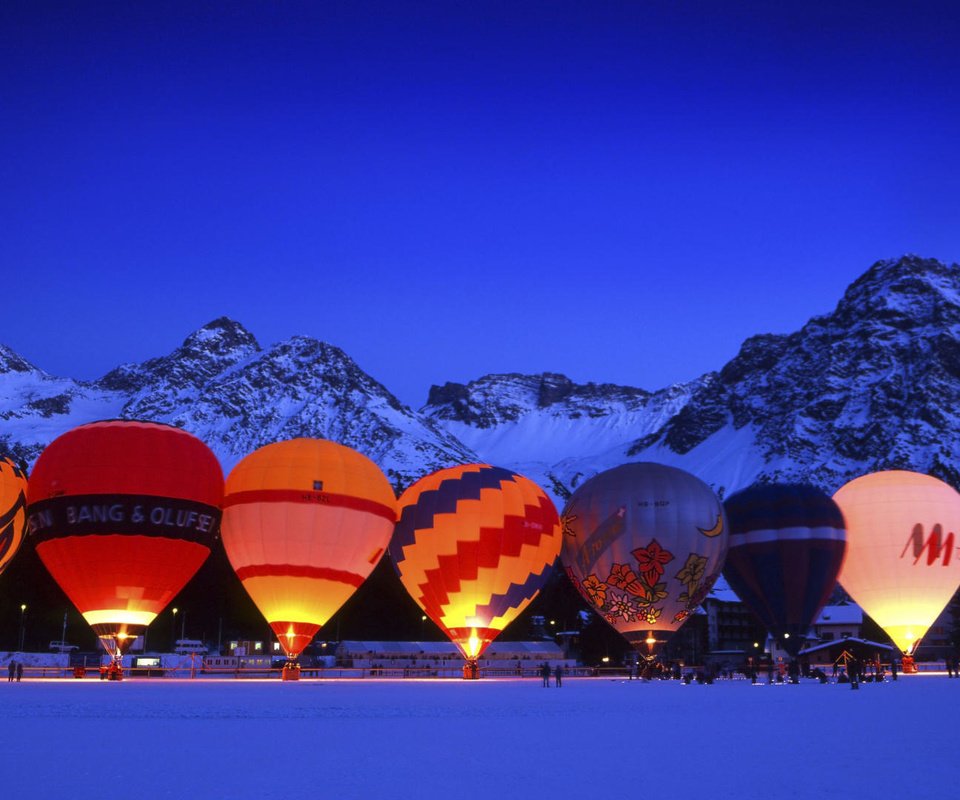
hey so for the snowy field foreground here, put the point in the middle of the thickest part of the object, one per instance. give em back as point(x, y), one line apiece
point(491, 738)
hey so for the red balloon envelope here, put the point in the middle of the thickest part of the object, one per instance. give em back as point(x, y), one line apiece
point(123, 514)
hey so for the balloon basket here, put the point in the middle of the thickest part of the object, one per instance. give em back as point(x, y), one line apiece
point(79, 672)
point(471, 671)
point(290, 672)
point(909, 666)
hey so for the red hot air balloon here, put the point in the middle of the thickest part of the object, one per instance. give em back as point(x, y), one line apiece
point(13, 510)
point(123, 514)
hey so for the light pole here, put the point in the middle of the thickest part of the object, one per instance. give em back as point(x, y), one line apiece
point(23, 631)
point(173, 627)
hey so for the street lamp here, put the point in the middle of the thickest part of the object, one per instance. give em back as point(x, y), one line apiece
point(423, 619)
point(173, 627)
point(23, 610)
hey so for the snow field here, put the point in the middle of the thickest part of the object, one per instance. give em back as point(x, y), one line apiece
point(489, 739)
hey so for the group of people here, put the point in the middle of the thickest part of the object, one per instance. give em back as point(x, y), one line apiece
point(14, 671)
point(557, 672)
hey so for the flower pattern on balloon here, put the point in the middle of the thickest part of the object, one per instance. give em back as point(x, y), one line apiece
point(651, 615)
point(697, 586)
point(625, 578)
point(620, 608)
point(595, 590)
point(651, 561)
point(692, 572)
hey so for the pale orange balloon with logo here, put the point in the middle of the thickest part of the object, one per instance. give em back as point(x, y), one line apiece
point(902, 565)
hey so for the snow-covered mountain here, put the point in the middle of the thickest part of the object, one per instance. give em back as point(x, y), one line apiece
point(874, 384)
point(223, 387)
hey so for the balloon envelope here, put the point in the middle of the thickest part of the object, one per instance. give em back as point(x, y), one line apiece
point(305, 522)
point(901, 565)
point(786, 546)
point(473, 546)
point(13, 510)
point(123, 514)
point(643, 544)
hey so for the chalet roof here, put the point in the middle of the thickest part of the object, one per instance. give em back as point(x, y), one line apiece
point(847, 614)
point(849, 643)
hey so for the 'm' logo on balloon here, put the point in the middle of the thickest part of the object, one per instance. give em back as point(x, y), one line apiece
point(935, 544)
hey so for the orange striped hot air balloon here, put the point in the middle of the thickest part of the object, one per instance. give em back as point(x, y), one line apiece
point(123, 513)
point(13, 510)
point(305, 521)
point(473, 546)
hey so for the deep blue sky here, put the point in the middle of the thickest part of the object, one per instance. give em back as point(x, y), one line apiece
point(620, 191)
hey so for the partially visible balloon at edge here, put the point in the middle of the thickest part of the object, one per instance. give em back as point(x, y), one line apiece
point(13, 510)
point(901, 566)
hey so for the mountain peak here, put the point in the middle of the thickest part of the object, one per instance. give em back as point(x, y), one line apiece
point(12, 362)
point(221, 337)
point(907, 287)
point(208, 351)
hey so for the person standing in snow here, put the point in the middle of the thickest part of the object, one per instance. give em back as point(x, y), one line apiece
point(19, 671)
point(545, 673)
point(11, 670)
point(558, 675)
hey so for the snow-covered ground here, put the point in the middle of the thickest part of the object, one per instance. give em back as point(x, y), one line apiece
point(499, 739)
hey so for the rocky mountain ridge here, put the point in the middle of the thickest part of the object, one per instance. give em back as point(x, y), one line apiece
point(874, 384)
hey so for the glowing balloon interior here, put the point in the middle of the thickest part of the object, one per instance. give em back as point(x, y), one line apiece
point(787, 542)
point(305, 522)
point(643, 544)
point(901, 565)
point(123, 514)
point(13, 510)
point(473, 546)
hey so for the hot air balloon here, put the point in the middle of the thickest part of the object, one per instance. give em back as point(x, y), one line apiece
point(305, 522)
point(473, 546)
point(123, 514)
point(643, 543)
point(901, 565)
point(786, 546)
point(13, 510)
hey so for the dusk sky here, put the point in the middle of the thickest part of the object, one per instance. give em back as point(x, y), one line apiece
point(619, 191)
